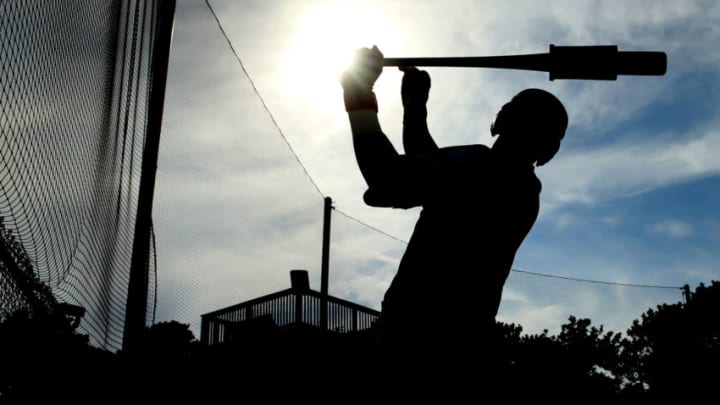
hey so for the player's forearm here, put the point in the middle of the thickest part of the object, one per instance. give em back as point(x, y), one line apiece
point(416, 135)
point(374, 152)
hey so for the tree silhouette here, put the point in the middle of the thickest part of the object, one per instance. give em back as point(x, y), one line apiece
point(580, 359)
point(44, 358)
point(163, 365)
point(170, 339)
point(675, 348)
point(20, 287)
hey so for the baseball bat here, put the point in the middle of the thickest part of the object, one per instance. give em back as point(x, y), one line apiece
point(602, 62)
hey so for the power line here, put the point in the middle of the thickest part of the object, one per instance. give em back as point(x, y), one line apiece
point(582, 280)
point(375, 229)
point(596, 281)
point(350, 217)
point(262, 101)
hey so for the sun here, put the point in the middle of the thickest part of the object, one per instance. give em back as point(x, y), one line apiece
point(323, 43)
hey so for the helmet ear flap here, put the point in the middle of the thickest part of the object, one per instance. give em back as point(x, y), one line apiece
point(503, 118)
point(547, 151)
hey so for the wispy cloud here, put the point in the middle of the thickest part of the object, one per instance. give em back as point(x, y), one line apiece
point(672, 228)
point(630, 168)
point(534, 319)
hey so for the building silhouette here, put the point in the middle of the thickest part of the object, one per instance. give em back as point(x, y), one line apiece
point(297, 308)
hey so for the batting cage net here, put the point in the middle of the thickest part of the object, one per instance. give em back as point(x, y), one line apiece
point(75, 80)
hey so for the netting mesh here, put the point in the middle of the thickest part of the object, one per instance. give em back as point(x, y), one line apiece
point(74, 81)
point(20, 288)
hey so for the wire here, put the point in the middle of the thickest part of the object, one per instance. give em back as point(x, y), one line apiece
point(596, 281)
point(272, 118)
point(350, 217)
point(518, 270)
point(262, 101)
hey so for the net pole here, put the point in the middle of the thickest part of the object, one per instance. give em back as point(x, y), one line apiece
point(136, 307)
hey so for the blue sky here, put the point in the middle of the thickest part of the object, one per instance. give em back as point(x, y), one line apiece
point(632, 197)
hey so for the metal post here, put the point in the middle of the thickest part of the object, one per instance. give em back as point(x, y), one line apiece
point(299, 308)
point(686, 293)
point(205, 330)
point(136, 306)
point(325, 269)
point(300, 284)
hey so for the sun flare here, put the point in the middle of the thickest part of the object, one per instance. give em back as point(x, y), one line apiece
point(323, 44)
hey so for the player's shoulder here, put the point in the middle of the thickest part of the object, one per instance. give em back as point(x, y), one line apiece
point(466, 152)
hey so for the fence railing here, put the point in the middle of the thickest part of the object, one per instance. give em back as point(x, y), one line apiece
point(288, 307)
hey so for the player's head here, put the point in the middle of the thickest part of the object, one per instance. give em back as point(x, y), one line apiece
point(535, 119)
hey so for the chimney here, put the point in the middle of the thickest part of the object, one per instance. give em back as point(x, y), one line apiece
point(299, 280)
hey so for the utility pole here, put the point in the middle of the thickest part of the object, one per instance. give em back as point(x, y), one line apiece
point(325, 265)
point(686, 293)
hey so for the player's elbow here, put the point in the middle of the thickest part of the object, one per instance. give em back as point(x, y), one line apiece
point(387, 199)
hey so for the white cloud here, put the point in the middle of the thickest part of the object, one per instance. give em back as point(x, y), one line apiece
point(701, 273)
point(535, 319)
point(672, 228)
point(511, 295)
point(611, 220)
point(629, 168)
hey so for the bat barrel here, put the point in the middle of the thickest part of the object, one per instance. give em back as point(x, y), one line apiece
point(603, 62)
